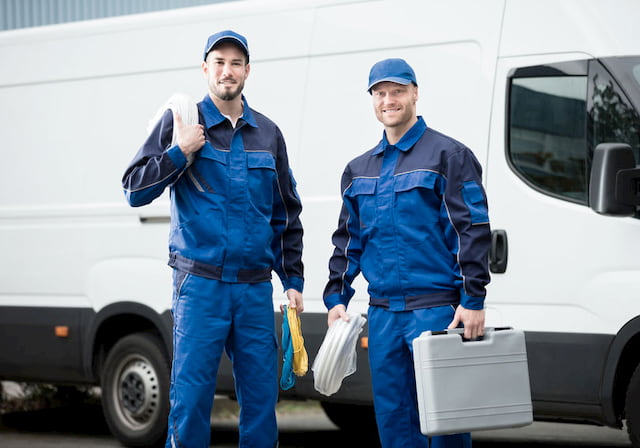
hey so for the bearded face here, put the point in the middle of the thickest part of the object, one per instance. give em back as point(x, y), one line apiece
point(226, 71)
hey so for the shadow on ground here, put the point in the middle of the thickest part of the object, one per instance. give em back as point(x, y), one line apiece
point(78, 419)
point(89, 420)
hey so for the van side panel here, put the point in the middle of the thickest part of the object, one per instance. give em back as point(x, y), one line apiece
point(567, 368)
point(29, 345)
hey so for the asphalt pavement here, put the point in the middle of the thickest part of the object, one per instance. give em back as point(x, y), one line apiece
point(301, 425)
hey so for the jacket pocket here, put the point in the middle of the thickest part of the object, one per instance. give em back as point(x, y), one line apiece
point(415, 179)
point(363, 193)
point(473, 197)
point(261, 159)
point(262, 181)
point(209, 171)
point(210, 153)
point(418, 198)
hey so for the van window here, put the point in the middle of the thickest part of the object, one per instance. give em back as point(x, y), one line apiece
point(547, 134)
point(613, 119)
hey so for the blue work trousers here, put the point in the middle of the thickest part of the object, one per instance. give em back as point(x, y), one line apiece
point(211, 316)
point(391, 335)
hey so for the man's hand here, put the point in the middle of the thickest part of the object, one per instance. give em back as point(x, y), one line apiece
point(190, 137)
point(337, 312)
point(473, 321)
point(295, 300)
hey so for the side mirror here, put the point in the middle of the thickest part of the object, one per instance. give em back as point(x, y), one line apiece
point(614, 188)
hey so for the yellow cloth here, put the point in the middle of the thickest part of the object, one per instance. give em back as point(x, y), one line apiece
point(300, 358)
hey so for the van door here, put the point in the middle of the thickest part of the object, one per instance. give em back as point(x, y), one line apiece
point(571, 278)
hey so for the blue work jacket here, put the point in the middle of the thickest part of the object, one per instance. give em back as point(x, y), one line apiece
point(235, 210)
point(415, 221)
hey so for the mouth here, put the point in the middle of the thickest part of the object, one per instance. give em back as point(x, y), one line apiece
point(226, 82)
point(391, 110)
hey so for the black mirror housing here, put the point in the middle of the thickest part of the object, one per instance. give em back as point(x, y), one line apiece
point(615, 180)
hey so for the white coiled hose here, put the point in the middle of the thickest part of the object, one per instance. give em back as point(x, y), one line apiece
point(336, 358)
point(184, 106)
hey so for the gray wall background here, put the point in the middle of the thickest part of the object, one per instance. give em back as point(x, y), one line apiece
point(29, 13)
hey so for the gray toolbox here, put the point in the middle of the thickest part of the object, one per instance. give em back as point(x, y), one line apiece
point(467, 386)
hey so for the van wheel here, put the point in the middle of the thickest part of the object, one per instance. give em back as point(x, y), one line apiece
point(632, 408)
point(135, 390)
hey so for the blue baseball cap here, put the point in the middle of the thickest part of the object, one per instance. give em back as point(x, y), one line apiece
point(394, 70)
point(226, 36)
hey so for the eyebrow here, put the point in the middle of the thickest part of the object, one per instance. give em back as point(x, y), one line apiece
point(232, 60)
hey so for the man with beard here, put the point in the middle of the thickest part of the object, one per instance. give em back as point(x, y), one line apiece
point(234, 219)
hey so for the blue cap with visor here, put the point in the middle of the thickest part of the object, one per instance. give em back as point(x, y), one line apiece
point(394, 70)
point(226, 36)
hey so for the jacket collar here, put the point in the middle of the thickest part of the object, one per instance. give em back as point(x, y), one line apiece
point(213, 117)
point(408, 139)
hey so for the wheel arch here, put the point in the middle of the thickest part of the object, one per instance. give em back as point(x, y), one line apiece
point(118, 320)
point(623, 358)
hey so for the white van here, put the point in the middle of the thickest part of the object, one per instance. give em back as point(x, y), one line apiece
point(546, 93)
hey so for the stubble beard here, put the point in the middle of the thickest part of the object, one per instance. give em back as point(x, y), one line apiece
point(228, 95)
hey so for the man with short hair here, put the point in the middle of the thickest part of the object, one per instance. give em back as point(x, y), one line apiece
point(414, 220)
point(234, 218)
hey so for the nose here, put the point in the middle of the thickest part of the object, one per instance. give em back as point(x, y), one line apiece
point(387, 100)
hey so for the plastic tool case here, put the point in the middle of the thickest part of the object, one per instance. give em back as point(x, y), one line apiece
point(467, 386)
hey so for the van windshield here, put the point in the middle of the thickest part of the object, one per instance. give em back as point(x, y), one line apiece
point(615, 102)
point(626, 70)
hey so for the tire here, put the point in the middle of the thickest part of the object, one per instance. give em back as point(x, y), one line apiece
point(632, 408)
point(135, 390)
point(350, 417)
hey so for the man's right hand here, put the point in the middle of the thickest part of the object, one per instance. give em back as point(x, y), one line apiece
point(190, 137)
point(337, 312)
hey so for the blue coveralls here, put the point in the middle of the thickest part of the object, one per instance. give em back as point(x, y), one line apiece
point(234, 219)
point(414, 220)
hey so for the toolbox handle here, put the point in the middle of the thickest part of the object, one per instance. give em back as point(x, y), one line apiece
point(460, 331)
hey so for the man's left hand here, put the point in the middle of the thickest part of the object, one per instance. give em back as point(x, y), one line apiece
point(295, 300)
point(473, 321)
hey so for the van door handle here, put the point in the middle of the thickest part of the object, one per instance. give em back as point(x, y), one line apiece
point(155, 219)
point(499, 252)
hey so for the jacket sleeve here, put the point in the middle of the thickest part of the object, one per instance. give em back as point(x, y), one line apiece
point(466, 204)
point(287, 242)
point(344, 264)
point(156, 165)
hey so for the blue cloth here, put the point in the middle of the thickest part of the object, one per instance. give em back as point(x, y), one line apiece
point(414, 220)
point(391, 336)
point(235, 210)
point(211, 316)
point(287, 379)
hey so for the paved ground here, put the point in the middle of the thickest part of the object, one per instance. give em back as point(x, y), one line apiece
point(302, 424)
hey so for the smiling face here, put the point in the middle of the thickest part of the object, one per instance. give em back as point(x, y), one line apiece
point(395, 105)
point(226, 70)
